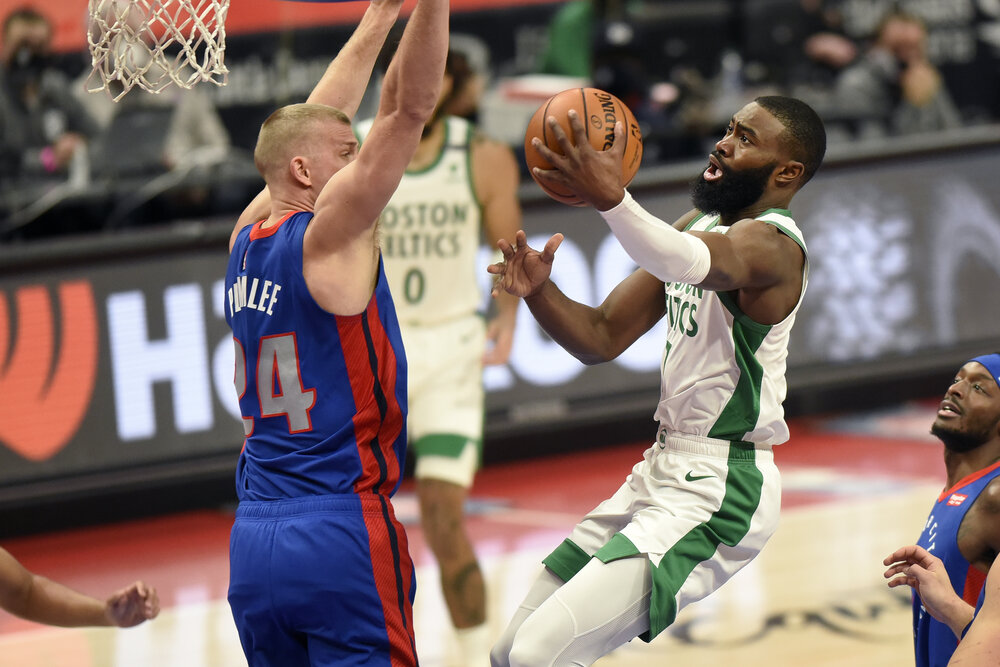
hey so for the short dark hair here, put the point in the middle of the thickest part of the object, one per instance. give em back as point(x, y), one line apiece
point(804, 133)
point(27, 14)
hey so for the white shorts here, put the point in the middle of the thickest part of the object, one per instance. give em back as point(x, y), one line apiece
point(446, 398)
point(699, 509)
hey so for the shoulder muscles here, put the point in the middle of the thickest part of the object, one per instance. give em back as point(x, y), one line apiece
point(754, 255)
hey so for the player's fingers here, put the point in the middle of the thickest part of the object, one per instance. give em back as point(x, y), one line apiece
point(894, 570)
point(618, 147)
point(579, 131)
point(899, 581)
point(553, 177)
point(901, 554)
point(505, 248)
point(547, 153)
point(549, 251)
point(560, 136)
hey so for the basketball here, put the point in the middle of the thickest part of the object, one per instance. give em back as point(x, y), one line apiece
point(599, 111)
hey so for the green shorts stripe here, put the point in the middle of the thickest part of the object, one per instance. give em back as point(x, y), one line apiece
point(566, 560)
point(447, 445)
point(728, 526)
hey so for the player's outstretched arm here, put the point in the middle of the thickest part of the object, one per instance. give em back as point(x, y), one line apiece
point(346, 78)
point(342, 85)
point(42, 600)
point(592, 335)
point(353, 199)
point(981, 645)
point(925, 573)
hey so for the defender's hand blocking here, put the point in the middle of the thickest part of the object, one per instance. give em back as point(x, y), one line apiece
point(523, 270)
point(594, 176)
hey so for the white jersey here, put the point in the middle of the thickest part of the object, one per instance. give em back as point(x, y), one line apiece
point(430, 234)
point(723, 375)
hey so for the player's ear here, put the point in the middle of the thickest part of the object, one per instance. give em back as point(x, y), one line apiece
point(790, 174)
point(299, 171)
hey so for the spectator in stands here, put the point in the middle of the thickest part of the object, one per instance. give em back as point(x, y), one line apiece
point(893, 88)
point(569, 50)
point(826, 48)
point(42, 126)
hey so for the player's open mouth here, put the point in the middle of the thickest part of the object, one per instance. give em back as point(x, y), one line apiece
point(948, 409)
point(714, 171)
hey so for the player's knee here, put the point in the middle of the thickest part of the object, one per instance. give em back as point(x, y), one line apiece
point(498, 654)
point(532, 647)
point(528, 654)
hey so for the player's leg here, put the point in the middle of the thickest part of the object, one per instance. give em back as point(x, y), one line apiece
point(265, 639)
point(442, 516)
point(544, 586)
point(446, 422)
point(599, 609)
point(346, 583)
point(566, 562)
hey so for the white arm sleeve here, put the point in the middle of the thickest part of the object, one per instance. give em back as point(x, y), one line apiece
point(670, 255)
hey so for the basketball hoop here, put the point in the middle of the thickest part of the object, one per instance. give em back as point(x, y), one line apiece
point(155, 43)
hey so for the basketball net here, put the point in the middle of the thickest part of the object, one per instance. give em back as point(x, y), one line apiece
point(155, 43)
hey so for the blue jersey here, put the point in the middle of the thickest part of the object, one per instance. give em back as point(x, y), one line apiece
point(934, 642)
point(323, 396)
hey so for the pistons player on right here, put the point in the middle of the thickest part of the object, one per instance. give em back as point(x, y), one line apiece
point(963, 528)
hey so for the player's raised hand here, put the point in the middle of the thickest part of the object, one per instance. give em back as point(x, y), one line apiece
point(523, 269)
point(594, 176)
point(132, 605)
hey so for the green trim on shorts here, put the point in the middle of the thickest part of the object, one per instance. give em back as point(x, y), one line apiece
point(728, 525)
point(617, 547)
point(446, 444)
point(566, 560)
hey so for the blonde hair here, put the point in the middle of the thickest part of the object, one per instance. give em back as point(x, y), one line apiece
point(291, 131)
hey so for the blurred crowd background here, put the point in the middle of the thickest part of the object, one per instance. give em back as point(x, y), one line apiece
point(73, 161)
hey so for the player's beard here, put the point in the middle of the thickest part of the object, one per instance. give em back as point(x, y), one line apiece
point(736, 191)
point(966, 440)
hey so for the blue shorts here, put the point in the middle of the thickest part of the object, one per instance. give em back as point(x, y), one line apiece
point(324, 580)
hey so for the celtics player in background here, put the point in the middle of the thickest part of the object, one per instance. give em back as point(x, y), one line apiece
point(458, 188)
point(729, 277)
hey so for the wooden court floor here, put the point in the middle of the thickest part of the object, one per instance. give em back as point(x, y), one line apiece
point(855, 488)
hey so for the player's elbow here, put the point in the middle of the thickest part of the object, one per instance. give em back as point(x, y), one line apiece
point(591, 359)
point(420, 106)
point(597, 351)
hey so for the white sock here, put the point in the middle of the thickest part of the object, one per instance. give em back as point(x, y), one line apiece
point(475, 645)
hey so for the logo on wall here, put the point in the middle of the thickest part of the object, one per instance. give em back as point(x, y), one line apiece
point(46, 376)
